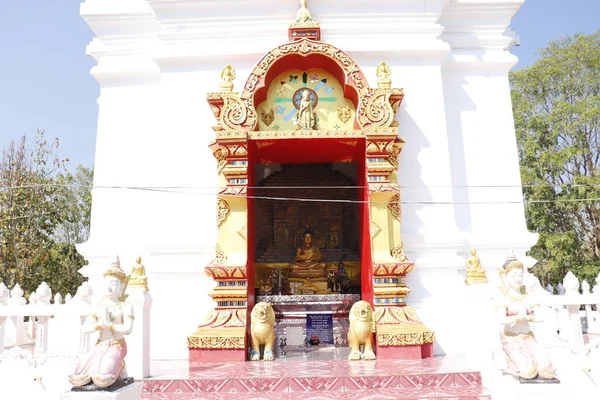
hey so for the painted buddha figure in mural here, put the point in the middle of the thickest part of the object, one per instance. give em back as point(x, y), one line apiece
point(306, 117)
point(308, 267)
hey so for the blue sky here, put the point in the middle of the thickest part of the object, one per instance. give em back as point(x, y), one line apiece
point(45, 81)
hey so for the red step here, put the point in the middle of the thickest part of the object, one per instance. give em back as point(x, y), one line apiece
point(435, 378)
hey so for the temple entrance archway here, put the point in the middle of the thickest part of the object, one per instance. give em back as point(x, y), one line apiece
point(307, 103)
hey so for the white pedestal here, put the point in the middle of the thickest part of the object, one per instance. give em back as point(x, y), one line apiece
point(137, 360)
point(131, 392)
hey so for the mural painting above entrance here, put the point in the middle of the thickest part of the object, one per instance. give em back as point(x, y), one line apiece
point(279, 112)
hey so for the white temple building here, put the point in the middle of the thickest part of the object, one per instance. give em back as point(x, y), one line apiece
point(155, 179)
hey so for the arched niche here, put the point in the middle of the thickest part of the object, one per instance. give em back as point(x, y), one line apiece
point(303, 56)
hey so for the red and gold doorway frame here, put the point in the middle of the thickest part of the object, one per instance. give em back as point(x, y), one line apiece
point(373, 144)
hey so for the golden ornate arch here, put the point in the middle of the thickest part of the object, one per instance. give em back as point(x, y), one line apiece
point(236, 126)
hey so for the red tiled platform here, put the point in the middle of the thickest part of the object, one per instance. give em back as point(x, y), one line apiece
point(435, 378)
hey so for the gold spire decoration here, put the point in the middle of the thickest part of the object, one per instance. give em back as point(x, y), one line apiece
point(227, 78)
point(304, 18)
point(383, 74)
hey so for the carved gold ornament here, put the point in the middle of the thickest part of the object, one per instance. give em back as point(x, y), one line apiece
point(375, 110)
point(383, 73)
point(215, 342)
point(400, 326)
point(220, 154)
point(398, 252)
point(394, 207)
point(222, 211)
point(220, 256)
point(267, 118)
point(405, 339)
point(344, 114)
point(227, 78)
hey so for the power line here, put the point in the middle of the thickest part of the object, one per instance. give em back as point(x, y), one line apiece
point(28, 186)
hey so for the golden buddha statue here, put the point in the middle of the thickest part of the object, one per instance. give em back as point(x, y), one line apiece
point(138, 275)
point(475, 274)
point(308, 271)
point(383, 73)
point(227, 78)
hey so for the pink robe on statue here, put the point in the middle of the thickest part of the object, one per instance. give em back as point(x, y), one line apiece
point(526, 357)
point(102, 365)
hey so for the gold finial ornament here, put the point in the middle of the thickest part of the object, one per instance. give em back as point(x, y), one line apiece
point(227, 78)
point(303, 14)
point(475, 274)
point(383, 75)
point(304, 26)
point(138, 277)
point(304, 18)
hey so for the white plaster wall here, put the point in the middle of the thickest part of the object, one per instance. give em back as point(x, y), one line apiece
point(157, 60)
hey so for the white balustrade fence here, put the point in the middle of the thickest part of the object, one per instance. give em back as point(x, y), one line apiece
point(573, 311)
point(57, 327)
point(50, 327)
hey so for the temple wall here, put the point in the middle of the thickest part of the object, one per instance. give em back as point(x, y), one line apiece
point(156, 62)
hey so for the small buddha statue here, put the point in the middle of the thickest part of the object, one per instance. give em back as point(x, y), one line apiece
point(383, 73)
point(308, 266)
point(227, 78)
point(526, 358)
point(306, 118)
point(113, 319)
point(138, 275)
point(475, 274)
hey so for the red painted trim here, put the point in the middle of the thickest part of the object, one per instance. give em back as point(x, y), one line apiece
point(250, 240)
point(366, 267)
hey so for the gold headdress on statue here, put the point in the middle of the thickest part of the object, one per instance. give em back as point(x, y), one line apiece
point(510, 264)
point(115, 270)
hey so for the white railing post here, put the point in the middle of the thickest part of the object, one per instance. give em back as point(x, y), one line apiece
point(41, 338)
point(585, 290)
point(3, 303)
point(17, 299)
point(138, 344)
point(550, 288)
point(571, 285)
point(43, 295)
point(83, 300)
point(594, 323)
point(31, 325)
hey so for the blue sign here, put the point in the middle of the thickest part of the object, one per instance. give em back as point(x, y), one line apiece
point(321, 326)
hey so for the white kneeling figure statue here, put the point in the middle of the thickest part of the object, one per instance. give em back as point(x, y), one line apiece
point(526, 358)
point(113, 318)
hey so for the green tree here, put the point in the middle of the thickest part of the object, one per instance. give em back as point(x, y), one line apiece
point(41, 218)
point(556, 105)
point(76, 205)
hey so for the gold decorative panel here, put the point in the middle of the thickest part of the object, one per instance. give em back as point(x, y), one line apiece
point(279, 111)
